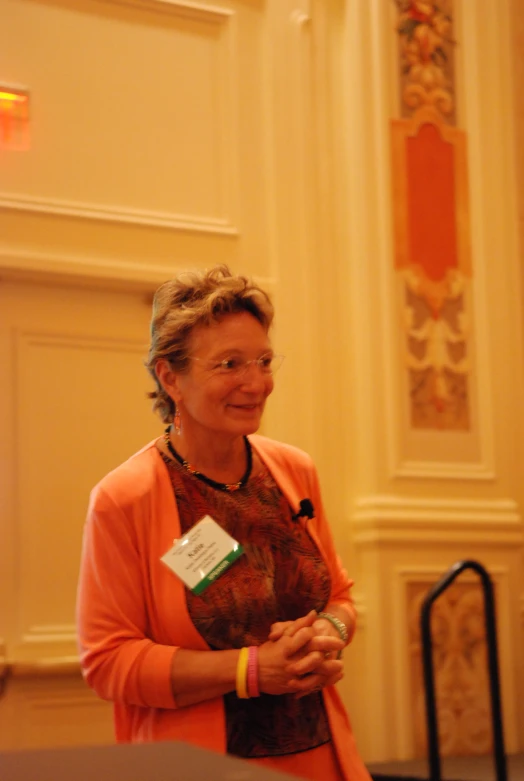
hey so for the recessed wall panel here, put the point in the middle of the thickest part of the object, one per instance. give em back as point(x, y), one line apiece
point(131, 107)
point(74, 395)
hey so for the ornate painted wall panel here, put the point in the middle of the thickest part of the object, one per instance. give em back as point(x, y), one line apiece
point(431, 219)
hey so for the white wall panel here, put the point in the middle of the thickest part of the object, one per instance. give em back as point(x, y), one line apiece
point(133, 112)
point(69, 388)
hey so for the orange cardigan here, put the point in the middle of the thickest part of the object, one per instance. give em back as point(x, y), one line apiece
point(127, 597)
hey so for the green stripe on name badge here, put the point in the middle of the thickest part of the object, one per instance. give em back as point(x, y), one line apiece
point(221, 567)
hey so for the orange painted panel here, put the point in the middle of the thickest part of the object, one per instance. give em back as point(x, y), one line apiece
point(432, 228)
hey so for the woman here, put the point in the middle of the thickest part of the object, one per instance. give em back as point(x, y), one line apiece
point(212, 607)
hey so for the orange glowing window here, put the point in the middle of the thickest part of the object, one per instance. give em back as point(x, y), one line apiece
point(14, 118)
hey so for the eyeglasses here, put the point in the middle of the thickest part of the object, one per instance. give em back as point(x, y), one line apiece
point(238, 367)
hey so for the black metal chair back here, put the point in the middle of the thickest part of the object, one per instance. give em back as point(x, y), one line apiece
point(427, 661)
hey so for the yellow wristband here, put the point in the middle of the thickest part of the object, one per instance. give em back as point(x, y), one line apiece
point(242, 674)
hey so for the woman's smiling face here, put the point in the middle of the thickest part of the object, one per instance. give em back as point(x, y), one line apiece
point(221, 392)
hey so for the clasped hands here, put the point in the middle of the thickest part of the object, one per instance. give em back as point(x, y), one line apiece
point(300, 657)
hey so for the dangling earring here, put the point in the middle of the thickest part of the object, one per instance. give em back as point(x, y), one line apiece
point(176, 422)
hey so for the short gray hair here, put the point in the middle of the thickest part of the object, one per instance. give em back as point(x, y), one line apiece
point(191, 299)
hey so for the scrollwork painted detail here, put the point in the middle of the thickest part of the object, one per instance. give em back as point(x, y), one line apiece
point(426, 56)
point(436, 329)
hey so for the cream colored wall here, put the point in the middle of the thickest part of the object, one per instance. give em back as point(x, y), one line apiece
point(517, 48)
point(418, 501)
point(163, 137)
point(167, 135)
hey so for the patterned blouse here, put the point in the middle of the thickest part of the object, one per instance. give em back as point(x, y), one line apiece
point(280, 577)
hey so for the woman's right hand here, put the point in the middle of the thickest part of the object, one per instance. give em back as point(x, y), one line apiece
point(276, 657)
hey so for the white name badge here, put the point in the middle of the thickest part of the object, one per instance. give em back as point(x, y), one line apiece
point(202, 554)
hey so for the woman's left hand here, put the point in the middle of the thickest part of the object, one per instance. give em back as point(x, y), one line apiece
point(321, 626)
point(325, 665)
point(289, 628)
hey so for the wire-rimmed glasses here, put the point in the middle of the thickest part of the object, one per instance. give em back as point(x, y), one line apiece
point(236, 366)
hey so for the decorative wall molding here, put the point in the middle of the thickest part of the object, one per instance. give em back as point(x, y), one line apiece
point(79, 342)
point(52, 667)
point(122, 215)
point(204, 11)
point(45, 651)
point(57, 633)
point(28, 266)
point(392, 519)
point(444, 470)
point(49, 704)
point(103, 272)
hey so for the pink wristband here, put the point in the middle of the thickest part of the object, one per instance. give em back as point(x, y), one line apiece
point(252, 672)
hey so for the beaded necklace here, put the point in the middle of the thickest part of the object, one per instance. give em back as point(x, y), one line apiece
point(213, 483)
